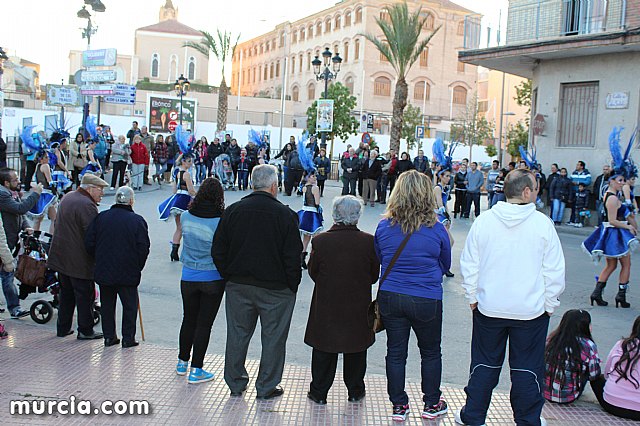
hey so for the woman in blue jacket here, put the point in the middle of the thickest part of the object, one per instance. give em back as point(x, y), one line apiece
point(410, 294)
point(201, 286)
point(560, 192)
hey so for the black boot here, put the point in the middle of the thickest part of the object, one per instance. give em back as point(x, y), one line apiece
point(596, 296)
point(303, 260)
point(621, 297)
point(174, 252)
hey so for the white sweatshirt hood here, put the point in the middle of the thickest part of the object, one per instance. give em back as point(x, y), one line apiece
point(513, 214)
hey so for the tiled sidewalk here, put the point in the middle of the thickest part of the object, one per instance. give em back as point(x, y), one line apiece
point(37, 365)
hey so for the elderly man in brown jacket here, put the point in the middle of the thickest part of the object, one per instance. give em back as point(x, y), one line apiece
point(69, 258)
point(338, 321)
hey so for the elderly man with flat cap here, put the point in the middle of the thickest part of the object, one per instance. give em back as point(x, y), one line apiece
point(69, 258)
point(118, 239)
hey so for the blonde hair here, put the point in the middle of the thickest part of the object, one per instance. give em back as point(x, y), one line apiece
point(412, 203)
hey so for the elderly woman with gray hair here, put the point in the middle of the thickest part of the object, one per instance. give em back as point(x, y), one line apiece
point(338, 315)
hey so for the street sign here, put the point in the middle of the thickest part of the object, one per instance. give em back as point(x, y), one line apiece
point(172, 126)
point(538, 124)
point(366, 138)
point(369, 122)
point(123, 94)
point(97, 89)
point(98, 76)
point(99, 58)
point(122, 100)
point(63, 95)
point(419, 132)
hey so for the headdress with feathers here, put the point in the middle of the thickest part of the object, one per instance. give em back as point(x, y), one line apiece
point(256, 138)
point(305, 155)
point(445, 160)
point(622, 163)
point(183, 140)
point(30, 142)
point(60, 133)
point(529, 157)
point(91, 127)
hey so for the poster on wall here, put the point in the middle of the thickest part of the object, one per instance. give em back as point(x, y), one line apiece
point(163, 113)
point(221, 134)
point(324, 120)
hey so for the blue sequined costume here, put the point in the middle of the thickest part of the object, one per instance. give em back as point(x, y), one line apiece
point(178, 202)
point(310, 217)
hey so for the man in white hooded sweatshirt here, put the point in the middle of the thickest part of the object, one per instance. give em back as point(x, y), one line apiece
point(513, 273)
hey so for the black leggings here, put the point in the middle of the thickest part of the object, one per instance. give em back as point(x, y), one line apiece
point(200, 304)
point(119, 168)
point(598, 389)
point(321, 186)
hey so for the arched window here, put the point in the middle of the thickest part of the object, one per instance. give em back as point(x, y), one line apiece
point(461, 28)
point(429, 22)
point(173, 68)
point(300, 63)
point(382, 86)
point(271, 70)
point(311, 91)
point(155, 65)
point(338, 23)
point(277, 69)
point(295, 93)
point(265, 75)
point(310, 32)
point(191, 68)
point(419, 91)
point(327, 25)
point(282, 39)
point(347, 19)
point(345, 52)
point(318, 29)
point(349, 84)
point(384, 15)
point(459, 95)
point(261, 49)
point(424, 57)
point(302, 34)
point(293, 64)
point(358, 15)
point(294, 37)
point(253, 79)
point(356, 49)
point(382, 57)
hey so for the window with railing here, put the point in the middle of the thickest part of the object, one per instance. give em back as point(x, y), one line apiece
point(421, 91)
point(382, 86)
point(578, 117)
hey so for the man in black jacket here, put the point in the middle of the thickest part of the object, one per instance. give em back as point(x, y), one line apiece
point(350, 166)
point(460, 182)
point(214, 150)
point(118, 238)
point(257, 250)
point(294, 172)
point(599, 188)
point(233, 151)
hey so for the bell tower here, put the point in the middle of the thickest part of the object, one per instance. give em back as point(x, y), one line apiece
point(168, 12)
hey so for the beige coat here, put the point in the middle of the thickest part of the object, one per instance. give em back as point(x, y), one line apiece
point(5, 254)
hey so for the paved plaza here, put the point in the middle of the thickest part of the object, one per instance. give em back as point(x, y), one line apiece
point(37, 364)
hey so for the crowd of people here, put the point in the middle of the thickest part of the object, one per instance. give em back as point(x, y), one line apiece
point(408, 256)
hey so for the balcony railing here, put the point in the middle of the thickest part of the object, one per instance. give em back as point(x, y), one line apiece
point(535, 20)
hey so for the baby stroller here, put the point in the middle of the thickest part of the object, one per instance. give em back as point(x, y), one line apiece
point(278, 163)
point(41, 279)
point(224, 171)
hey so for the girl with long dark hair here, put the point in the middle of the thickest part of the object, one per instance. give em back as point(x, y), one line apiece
point(571, 358)
point(618, 391)
point(202, 286)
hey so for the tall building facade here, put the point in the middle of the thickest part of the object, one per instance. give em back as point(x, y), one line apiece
point(438, 83)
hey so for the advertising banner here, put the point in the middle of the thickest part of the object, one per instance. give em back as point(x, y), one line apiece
point(99, 58)
point(68, 95)
point(163, 113)
point(324, 119)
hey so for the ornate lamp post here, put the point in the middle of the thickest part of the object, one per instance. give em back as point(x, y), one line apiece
point(181, 86)
point(327, 74)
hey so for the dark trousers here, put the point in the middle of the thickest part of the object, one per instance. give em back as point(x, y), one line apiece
point(321, 186)
point(598, 389)
point(243, 179)
point(200, 304)
point(145, 176)
point(379, 189)
point(234, 167)
point(402, 313)
point(472, 197)
point(360, 185)
point(460, 203)
point(349, 185)
point(293, 179)
point(75, 293)
point(244, 304)
point(31, 169)
point(119, 170)
point(129, 299)
point(490, 195)
point(526, 360)
point(574, 218)
point(323, 372)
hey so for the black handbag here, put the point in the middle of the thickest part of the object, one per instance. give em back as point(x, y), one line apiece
point(373, 313)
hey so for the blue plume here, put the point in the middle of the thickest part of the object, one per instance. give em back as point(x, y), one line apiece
point(91, 127)
point(182, 138)
point(614, 147)
point(305, 155)
point(28, 142)
point(53, 160)
point(630, 144)
point(256, 138)
point(438, 151)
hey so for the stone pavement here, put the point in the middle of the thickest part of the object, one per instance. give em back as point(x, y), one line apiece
point(38, 365)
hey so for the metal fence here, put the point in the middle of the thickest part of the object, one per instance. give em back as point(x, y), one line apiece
point(532, 20)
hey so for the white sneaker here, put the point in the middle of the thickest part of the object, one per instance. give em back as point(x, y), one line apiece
point(458, 419)
point(543, 421)
point(579, 225)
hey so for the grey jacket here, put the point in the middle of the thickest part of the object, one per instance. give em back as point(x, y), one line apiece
point(13, 213)
point(476, 180)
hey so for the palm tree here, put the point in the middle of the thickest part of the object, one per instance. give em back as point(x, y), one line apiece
point(401, 47)
point(222, 50)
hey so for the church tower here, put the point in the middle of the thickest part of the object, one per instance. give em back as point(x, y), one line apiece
point(168, 12)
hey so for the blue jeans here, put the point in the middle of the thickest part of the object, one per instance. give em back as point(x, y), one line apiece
point(243, 179)
point(400, 314)
point(10, 291)
point(558, 210)
point(201, 172)
point(526, 360)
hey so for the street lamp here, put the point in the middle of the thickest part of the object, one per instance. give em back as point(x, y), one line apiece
point(181, 86)
point(327, 75)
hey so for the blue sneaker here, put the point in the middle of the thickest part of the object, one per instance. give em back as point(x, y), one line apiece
point(181, 368)
point(198, 375)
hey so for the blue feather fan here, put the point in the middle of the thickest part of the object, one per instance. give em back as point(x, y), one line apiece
point(29, 143)
point(305, 155)
point(182, 138)
point(91, 127)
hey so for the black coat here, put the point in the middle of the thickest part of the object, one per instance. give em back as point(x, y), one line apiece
point(118, 238)
point(258, 243)
point(404, 165)
point(373, 172)
point(234, 154)
point(214, 150)
point(459, 180)
point(561, 189)
point(352, 163)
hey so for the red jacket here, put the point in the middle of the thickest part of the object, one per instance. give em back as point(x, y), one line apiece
point(139, 154)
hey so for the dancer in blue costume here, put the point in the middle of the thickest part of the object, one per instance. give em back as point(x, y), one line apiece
point(441, 189)
point(58, 161)
point(94, 165)
point(183, 190)
point(48, 199)
point(615, 238)
point(310, 217)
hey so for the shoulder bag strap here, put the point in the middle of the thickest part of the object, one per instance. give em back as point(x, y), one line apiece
point(395, 258)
